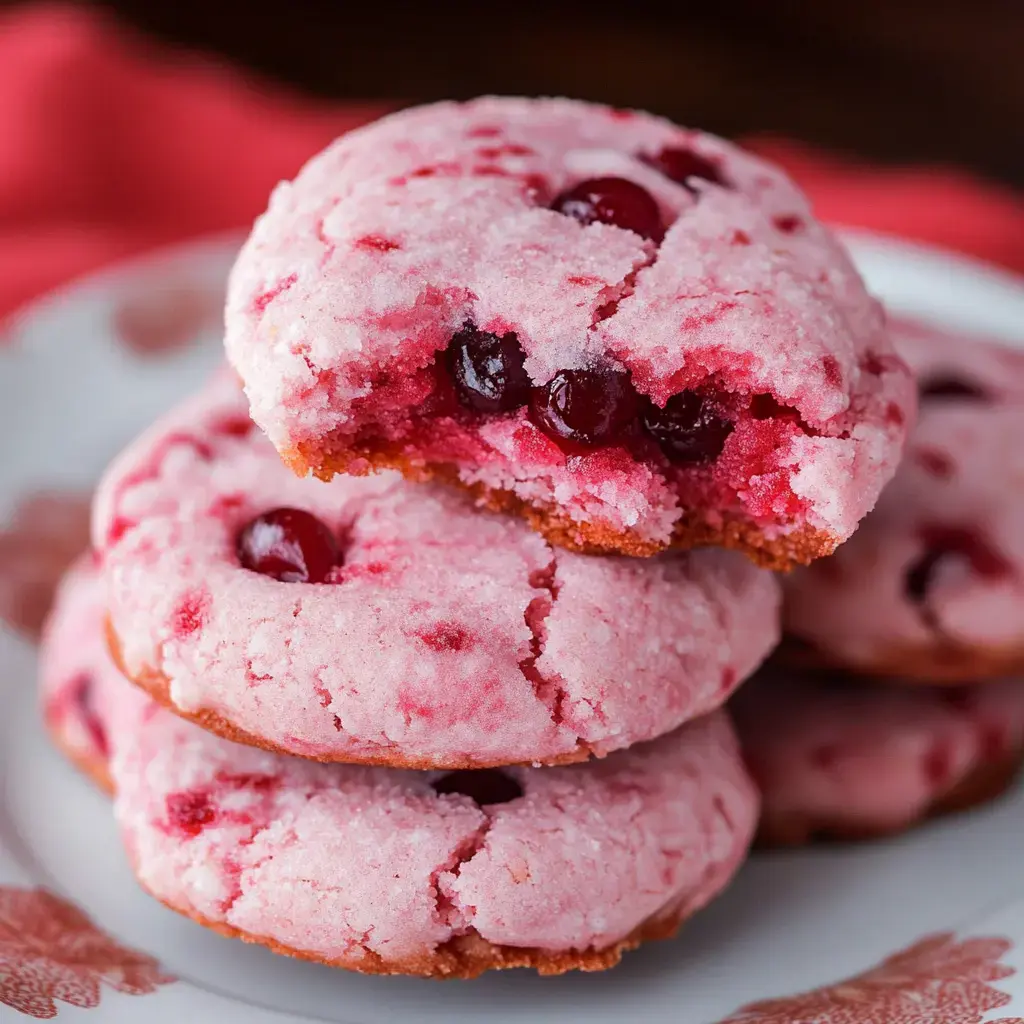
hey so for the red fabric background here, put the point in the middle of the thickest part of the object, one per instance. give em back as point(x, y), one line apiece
point(110, 146)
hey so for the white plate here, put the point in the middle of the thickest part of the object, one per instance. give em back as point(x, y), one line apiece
point(72, 392)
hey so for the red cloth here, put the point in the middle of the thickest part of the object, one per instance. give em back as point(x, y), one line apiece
point(110, 146)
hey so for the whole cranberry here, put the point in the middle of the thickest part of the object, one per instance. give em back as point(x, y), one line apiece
point(289, 545)
point(681, 164)
point(689, 429)
point(615, 201)
point(586, 407)
point(487, 370)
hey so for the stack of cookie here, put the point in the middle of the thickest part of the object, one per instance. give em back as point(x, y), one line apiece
point(890, 702)
point(572, 343)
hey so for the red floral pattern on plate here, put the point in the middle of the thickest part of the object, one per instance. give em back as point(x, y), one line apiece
point(167, 315)
point(937, 980)
point(49, 950)
point(47, 532)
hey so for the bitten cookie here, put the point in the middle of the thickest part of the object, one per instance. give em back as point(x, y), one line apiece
point(852, 759)
point(396, 872)
point(378, 621)
point(633, 334)
point(932, 585)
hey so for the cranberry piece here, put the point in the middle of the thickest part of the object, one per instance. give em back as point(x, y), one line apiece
point(189, 812)
point(487, 370)
point(690, 429)
point(951, 387)
point(945, 542)
point(919, 575)
point(82, 698)
point(290, 545)
point(681, 165)
point(484, 786)
point(612, 201)
point(586, 407)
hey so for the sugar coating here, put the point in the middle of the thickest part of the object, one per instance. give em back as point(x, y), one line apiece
point(963, 476)
point(392, 238)
point(346, 862)
point(451, 637)
point(869, 757)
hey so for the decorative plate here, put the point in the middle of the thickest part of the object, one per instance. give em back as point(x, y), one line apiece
point(80, 374)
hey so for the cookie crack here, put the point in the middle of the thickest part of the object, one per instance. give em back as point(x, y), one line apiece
point(235, 870)
point(613, 294)
point(447, 912)
point(548, 688)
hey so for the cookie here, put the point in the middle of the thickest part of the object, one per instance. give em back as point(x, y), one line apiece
point(932, 585)
point(632, 334)
point(73, 652)
point(850, 759)
point(954, 367)
point(387, 871)
point(392, 623)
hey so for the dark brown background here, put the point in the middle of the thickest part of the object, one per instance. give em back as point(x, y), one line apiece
point(890, 79)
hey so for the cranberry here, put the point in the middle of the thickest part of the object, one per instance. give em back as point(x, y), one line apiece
point(290, 545)
point(951, 387)
point(681, 165)
point(189, 812)
point(946, 542)
point(690, 429)
point(612, 201)
point(83, 699)
point(586, 407)
point(487, 370)
point(484, 786)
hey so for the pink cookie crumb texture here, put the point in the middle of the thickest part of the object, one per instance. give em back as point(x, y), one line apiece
point(932, 585)
point(859, 758)
point(375, 868)
point(630, 325)
point(444, 636)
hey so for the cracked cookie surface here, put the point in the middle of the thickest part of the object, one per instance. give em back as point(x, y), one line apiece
point(932, 585)
point(441, 874)
point(632, 334)
point(442, 635)
point(839, 758)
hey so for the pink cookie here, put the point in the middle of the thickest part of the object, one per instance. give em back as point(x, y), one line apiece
point(390, 871)
point(633, 334)
point(440, 637)
point(74, 653)
point(853, 759)
point(958, 367)
point(932, 585)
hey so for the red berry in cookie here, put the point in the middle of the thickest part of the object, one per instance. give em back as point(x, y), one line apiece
point(81, 692)
point(615, 201)
point(690, 429)
point(289, 545)
point(944, 544)
point(487, 370)
point(585, 407)
point(681, 165)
